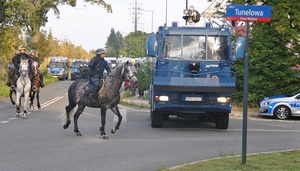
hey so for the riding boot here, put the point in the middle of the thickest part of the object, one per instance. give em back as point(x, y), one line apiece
point(42, 80)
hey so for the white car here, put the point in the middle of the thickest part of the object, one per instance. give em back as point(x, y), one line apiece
point(281, 106)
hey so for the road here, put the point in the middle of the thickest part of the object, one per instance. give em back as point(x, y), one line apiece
point(41, 143)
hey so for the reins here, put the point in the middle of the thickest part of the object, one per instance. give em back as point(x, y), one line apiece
point(123, 69)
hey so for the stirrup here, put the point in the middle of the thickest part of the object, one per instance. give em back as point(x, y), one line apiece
point(12, 87)
point(34, 88)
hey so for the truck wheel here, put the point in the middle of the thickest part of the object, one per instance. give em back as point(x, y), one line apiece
point(156, 120)
point(222, 120)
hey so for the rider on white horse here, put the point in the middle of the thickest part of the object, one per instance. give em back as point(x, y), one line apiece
point(17, 59)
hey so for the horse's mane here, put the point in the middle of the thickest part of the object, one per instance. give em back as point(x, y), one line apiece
point(119, 68)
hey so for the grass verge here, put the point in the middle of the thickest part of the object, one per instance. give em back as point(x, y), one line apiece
point(283, 161)
point(4, 90)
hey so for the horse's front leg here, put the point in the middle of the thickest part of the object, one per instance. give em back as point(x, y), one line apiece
point(38, 99)
point(103, 121)
point(76, 116)
point(26, 100)
point(115, 109)
point(11, 98)
point(31, 99)
point(18, 104)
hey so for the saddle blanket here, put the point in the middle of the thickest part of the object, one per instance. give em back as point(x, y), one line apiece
point(89, 86)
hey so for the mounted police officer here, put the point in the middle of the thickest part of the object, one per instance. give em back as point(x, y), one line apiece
point(97, 65)
point(17, 59)
point(11, 65)
point(83, 71)
point(35, 58)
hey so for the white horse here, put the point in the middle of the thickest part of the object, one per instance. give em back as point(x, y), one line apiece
point(23, 88)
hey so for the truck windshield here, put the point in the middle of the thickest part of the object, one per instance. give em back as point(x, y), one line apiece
point(195, 47)
point(56, 65)
point(77, 64)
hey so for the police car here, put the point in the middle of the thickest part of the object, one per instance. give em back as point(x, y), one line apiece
point(281, 106)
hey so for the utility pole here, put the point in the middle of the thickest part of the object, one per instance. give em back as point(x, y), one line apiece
point(135, 13)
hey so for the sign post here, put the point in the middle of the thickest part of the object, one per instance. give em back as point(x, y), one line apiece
point(247, 13)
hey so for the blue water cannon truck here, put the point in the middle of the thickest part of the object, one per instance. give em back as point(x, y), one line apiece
point(191, 74)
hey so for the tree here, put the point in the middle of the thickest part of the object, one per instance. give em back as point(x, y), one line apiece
point(32, 14)
point(270, 58)
point(134, 45)
point(114, 43)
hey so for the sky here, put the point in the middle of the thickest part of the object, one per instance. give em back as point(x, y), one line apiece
point(90, 25)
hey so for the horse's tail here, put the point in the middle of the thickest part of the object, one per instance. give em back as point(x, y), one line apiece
point(64, 116)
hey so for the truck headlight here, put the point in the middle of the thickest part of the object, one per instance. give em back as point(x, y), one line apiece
point(223, 99)
point(161, 98)
point(61, 72)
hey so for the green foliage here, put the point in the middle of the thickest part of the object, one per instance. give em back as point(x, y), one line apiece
point(144, 76)
point(270, 59)
point(114, 43)
point(266, 162)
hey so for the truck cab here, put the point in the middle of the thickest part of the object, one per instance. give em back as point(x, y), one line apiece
point(76, 63)
point(191, 74)
point(59, 67)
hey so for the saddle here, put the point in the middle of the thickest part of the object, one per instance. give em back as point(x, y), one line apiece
point(90, 86)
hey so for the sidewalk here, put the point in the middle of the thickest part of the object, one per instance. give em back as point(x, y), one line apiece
point(144, 104)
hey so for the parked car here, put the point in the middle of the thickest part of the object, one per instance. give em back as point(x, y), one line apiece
point(281, 106)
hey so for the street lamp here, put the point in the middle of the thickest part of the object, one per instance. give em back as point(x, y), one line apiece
point(151, 17)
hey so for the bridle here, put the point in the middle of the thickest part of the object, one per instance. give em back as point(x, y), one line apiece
point(128, 75)
point(34, 67)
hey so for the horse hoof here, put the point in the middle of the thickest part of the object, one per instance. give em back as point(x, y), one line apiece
point(105, 137)
point(39, 107)
point(113, 130)
point(13, 103)
point(66, 126)
point(78, 134)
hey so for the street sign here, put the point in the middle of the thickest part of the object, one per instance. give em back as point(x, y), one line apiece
point(252, 13)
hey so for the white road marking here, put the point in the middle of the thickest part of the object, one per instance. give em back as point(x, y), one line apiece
point(4, 121)
point(42, 106)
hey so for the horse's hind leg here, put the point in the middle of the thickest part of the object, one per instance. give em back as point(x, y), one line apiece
point(103, 121)
point(76, 116)
point(115, 109)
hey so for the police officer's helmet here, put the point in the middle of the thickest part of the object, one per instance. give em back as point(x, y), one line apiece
point(100, 51)
point(80, 65)
point(32, 52)
point(22, 47)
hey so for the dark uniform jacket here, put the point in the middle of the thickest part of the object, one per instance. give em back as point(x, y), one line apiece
point(97, 66)
point(17, 59)
point(35, 59)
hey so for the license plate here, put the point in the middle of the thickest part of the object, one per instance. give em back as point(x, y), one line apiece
point(193, 99)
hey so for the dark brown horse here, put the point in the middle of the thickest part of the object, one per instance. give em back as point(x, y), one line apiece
point(35, 90)
point(12, 81)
